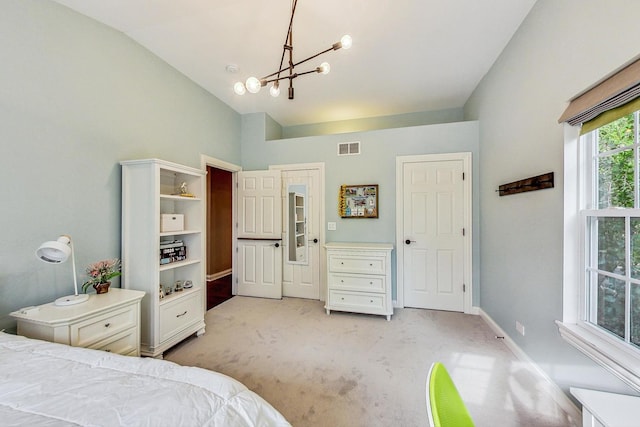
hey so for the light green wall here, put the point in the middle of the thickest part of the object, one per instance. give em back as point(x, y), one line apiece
point(371, 123)
point(562, 48)
point(376, 165)
point(76, 98)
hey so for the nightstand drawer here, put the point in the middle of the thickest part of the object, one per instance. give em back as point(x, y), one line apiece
point(357, 301)
point(179, 314)
point(357, 264)
point(357, 282)
point(123, 343)
point(103, 326)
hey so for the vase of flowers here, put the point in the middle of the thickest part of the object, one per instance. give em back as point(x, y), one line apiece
point(100, 274)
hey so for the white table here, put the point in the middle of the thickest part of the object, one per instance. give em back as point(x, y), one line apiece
point(600, 408)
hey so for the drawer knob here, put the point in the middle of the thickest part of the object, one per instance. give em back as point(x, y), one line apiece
point(370, 265)
point(342, 298)
point(342, 263)
point(106, 325)
point(371, 283)
point(180, 315)
point(370, 300)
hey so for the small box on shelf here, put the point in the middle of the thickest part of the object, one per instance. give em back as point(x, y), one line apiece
point(171, 222)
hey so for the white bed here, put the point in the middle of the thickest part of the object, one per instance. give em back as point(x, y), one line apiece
point(47, 384)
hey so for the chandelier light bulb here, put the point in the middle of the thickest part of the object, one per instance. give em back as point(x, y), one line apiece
point(324, 68)
point(275, 90)
point(239, 88)
point(253, 85)
point(346, 41)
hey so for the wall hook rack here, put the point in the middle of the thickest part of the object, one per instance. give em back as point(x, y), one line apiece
point(534, 183)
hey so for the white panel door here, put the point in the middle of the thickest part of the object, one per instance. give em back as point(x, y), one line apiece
point(303, 280)
point(259, 205)
point(259, 248)
point(433, 229)
point(260, 265)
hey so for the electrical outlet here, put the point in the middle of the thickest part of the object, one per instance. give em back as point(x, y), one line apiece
point(331, 226)
point(520, 328)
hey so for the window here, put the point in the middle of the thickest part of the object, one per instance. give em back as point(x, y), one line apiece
point(601, 254)
point(611, 220)
point(602, 246)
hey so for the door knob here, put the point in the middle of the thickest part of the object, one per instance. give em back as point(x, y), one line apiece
point(277, 245)
point(315, 240)
point(408, 242)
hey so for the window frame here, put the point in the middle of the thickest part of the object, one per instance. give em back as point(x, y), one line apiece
point(619, 358)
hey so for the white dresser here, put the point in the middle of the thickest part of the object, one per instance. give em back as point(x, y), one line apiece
point(109, 322)
point(359, 278)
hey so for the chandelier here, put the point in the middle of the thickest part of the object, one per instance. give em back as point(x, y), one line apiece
point(253, 84)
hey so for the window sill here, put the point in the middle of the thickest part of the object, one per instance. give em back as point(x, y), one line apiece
point(621, 363)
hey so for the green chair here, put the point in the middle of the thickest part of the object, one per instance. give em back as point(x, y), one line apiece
point(445, 407)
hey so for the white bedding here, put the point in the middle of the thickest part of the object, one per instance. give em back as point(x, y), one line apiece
point(46, 384)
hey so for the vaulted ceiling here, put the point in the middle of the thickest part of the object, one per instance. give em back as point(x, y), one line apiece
point(407, 55)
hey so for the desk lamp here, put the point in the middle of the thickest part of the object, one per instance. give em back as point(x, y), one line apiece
point(56, 252)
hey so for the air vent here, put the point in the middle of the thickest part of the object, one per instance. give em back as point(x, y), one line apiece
point(348, 148)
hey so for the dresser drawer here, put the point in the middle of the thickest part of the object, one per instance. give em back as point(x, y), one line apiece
point(356, 301)
point(97, 328)
point(357, 264)
point(123, 343)
point(179, 314)
point(357, 282)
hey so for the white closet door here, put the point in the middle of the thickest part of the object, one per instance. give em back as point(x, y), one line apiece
point(434, 237)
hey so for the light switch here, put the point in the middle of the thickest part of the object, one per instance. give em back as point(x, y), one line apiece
point(331, 226)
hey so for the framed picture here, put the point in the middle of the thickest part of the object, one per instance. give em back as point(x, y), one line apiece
point(358, 201)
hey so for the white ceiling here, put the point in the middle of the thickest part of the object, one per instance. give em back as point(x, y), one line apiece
point(407, 55)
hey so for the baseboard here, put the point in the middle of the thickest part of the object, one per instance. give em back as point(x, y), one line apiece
point(218, 275)
point(475, 310)
point(549, 385)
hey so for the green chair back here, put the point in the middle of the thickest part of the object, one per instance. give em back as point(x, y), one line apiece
point(444, 404)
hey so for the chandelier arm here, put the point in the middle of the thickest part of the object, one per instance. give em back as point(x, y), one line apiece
point(295, 65)
point(277, 79)
point(290, 77)
point(313, 56)
point(287, 41)
point(315, 70)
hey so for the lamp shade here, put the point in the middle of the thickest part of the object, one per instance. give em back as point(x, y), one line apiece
point(56, 252)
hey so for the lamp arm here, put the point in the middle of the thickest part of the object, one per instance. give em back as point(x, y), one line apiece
point(73, 265)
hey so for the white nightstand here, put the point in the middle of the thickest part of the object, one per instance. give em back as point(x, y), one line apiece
point(109, 322)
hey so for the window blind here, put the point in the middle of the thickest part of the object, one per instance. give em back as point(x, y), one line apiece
point(615, 91)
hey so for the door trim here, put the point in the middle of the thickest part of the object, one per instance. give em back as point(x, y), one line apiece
point(467, 184)
point(221, 164)
point(322, 262)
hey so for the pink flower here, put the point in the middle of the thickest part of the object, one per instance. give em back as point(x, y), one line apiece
point(102, 272)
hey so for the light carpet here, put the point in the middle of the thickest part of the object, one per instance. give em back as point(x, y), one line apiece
point(361, 370)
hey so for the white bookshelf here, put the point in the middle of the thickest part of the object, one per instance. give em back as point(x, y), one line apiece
point(151, 188)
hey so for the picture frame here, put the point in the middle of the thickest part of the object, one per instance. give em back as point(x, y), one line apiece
point(358, 201)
